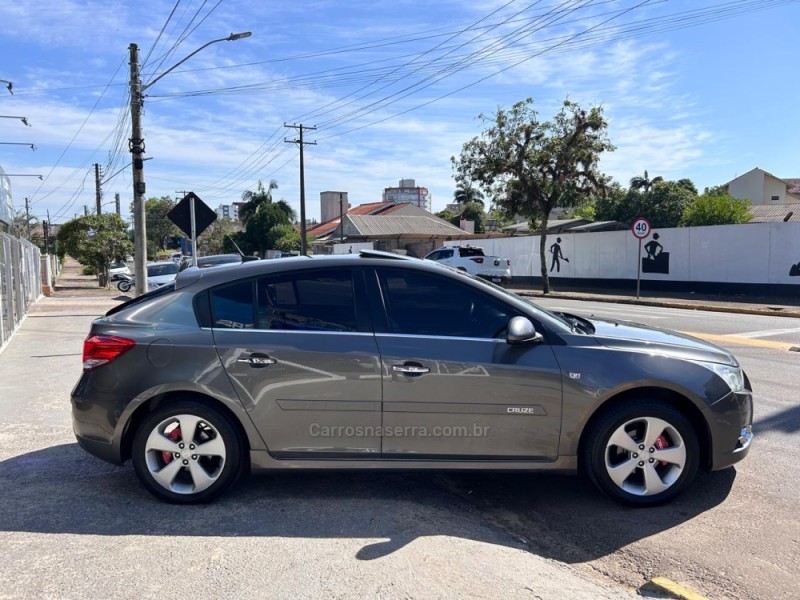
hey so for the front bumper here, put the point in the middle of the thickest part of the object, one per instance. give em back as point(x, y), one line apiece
point(731, 429)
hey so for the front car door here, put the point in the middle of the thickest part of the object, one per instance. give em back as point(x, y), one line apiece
point(300, 351)
point(453, 387)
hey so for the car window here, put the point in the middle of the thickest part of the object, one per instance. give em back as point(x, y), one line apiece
point(165, 269)
point(446, 254)
point(419, 303)
point(436, 255)
point(465, 251)
point(307, 301)
point(232, 306)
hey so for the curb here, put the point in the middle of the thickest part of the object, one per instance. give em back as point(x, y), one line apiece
point(666, 588)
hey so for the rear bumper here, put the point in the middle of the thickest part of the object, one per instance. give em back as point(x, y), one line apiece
point(503, 279)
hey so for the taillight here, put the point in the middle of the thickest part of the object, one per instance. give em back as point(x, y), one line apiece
point(508, 262)
point(102, 349)
point(478, 260)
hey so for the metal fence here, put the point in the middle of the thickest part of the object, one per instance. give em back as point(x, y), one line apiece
point(20, 282)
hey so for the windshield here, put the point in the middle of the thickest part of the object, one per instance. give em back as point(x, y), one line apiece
point(159, 291)
point(165, 269)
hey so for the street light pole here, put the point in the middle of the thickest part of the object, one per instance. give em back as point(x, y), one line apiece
point(137, 148)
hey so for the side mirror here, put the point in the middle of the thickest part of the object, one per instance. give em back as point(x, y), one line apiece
point(521, 330)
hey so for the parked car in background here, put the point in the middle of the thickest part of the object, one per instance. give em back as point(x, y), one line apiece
point(159, 273)
point(375, 360)
point(203, 262)
point(474, 261)
point(176, 257)
point(118, 270)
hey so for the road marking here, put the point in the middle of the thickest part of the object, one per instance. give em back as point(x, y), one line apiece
point(743, 341)
point(670, 589)
point(766, 332)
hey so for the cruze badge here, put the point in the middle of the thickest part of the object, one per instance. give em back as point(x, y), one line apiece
point(520, 410)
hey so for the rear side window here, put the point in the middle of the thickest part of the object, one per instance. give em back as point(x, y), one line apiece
point(307, 301)
point(232, 306)
point(470, 252)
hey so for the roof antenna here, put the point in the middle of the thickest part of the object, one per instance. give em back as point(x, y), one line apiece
point(788, 216)
point(239, 250)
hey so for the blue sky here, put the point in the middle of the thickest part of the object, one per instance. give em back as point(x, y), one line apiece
point(395, 89)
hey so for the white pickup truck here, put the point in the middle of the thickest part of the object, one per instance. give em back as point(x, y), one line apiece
point(473, 260)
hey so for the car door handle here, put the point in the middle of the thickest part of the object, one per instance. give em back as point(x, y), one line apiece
point(410, 369)
point(257, 360)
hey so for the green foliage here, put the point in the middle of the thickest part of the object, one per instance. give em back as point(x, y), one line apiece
point(501, 219)
point(160, 230)
point(530, 166)
point(287, 239)
point(662, 205)
point(255, 199)
point(266, 221)
point(645, 183)
point(214, 240)
point(465, 194)
point(472, 211)
point(88, 270)
point(446, 214)
point(585, 211)
point(718, 208)
point(96, 241)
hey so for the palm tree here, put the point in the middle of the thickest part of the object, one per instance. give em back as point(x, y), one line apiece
point(465, 194)
point(255, 199)
point(645, 183)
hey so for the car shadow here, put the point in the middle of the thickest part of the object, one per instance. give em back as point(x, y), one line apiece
point(61, 489)
point(787, 421)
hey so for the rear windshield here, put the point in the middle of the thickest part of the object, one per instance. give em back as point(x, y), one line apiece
point(154, 293)
point(471, 251)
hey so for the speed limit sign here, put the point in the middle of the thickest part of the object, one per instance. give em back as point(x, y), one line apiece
point(641, 228)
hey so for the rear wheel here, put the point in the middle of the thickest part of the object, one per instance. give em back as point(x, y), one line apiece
point(187, 453)
point(642, 453)
point(124, 286)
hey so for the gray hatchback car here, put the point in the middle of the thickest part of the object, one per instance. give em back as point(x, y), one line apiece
point(379, 361)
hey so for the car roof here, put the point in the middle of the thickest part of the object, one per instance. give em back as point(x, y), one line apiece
point(233, 271)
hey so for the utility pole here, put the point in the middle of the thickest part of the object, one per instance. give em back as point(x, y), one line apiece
point(341, 218)
point(116, 201)
point(301, 143)
point(98, 192)
point(28, 217)
point(47, 235)
point(136, 146)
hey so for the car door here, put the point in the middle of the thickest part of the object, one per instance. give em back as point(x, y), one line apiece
point(300, 351)
point(452, 386)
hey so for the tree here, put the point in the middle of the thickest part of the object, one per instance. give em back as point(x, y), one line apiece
point(663, 205)
point(215, 239)
point(530, 167)
point(645, 183)
point(255, 199)
point(96, 241)
point(263, 228)
point(718, 208)
point(160, 230)
point(465, 194)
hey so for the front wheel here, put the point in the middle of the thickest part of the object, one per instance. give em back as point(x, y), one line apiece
point(187, 453)
point(124, 286)
point(642, 453)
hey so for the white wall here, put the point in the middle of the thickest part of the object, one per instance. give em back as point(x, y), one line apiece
point(751, 253)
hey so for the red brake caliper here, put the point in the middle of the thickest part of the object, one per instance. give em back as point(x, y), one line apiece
point(175, 435)
point(661, 444)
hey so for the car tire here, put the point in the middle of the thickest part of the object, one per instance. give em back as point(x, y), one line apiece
point(641, 453)
point(187, 468)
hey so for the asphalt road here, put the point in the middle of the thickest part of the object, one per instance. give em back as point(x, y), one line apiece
point(72, 526)
point(738, 534)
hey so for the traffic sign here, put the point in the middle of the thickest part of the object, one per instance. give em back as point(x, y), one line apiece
point(641, 227)
point(181, 215)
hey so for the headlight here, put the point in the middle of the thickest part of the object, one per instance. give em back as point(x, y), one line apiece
point(733, 376)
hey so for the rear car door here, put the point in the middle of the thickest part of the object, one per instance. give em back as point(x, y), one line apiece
point(300, 351)
point(452, 386)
